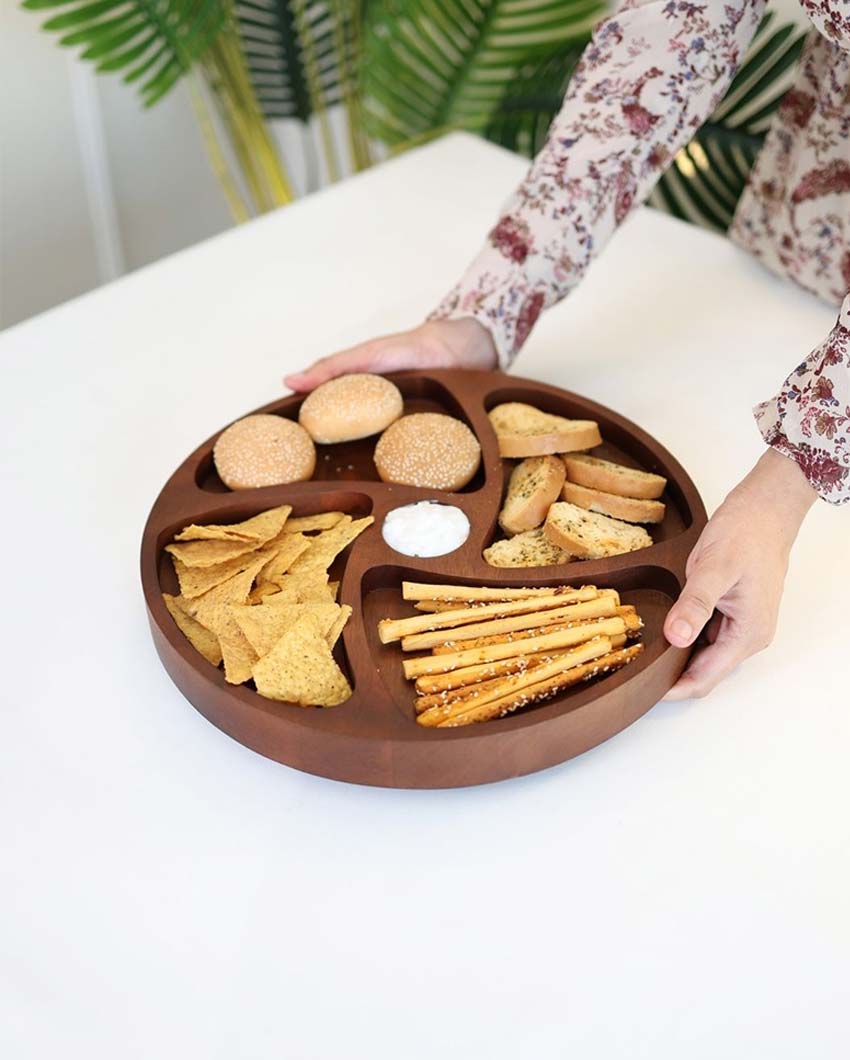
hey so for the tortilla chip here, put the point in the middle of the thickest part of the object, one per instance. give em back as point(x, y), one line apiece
point(212, 533)
point(327, 546)
point(333, 589)
point(239, 657)
point(323, 521)
point(210, 545)
point(312, 586)
point(202, 639)
point(211, 553)
point(264, 625)
point(233, 590)
point(301, 670)
point(266, 525)
point(260, 592)
point(290, 548)
point(342, 616)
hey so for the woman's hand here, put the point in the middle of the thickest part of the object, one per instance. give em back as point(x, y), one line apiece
point(437, 344)
point(738, 568)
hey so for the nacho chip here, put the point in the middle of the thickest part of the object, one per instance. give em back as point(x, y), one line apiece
point(203, 554)
point(260, 592)
point(266, 525)
point(233, 590)
point(342, 616)
point(301, 670)
point(323, 521)
point(212, 533)
point(333, 589)
point(202, 639)
point(327, 546)
point(290, 548)
point(264, 625)
point(209, 545)
point(239, 657)
point(301, 588)
point(195, 581)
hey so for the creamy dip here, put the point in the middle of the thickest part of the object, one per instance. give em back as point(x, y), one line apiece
point(425, 529)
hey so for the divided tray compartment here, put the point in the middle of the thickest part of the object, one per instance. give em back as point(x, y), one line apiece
point(373, 737)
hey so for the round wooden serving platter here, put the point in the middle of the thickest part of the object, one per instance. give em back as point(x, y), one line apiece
point(373, 738)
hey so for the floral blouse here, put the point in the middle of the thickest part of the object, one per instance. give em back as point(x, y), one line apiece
point(649, 78)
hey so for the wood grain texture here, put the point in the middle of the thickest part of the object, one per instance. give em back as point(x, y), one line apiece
point(373, 738)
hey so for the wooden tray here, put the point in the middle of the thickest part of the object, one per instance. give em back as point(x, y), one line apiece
point(373, 737)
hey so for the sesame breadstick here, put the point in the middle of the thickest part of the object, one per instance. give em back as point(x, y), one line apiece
point(429, 685)
point(390, 629)
point(601, 607)
point(568, 638)
point(634, 625)
point(493, 691)
point(475, 679)
point(467, 593)
point(543, 690)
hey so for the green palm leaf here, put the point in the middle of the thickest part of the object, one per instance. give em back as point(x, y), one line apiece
point(435, 64)
point(708, 176)
point(303, 58)
point(154, 42)
point(276, 55)
point(531, 100)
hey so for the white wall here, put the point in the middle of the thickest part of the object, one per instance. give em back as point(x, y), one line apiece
point(47, 251)
point(77, 153)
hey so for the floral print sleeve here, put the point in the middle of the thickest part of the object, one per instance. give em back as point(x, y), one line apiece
point(649, 78)
point(809, 419)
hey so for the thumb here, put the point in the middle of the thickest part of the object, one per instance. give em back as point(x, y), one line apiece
point(357, 359)
point(706, 585)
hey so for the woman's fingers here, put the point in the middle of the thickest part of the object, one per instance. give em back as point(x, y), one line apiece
point(710, 579)
point(710, 665)
point(363, 358)
point(460, 343)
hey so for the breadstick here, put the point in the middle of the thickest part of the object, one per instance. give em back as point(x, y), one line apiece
point(432, 606)
point(493, 691)
point(480, 677)
point(568, 638)
point(543, 690)
point(449, 647)
point(440, 684)
point(602, 607)
point(390, 629)
point(464, 593)
point(439, 606)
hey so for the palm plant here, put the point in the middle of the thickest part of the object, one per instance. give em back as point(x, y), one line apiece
point(402, 71)
point(155, 43)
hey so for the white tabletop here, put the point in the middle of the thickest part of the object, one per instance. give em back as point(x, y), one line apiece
point(681, 891)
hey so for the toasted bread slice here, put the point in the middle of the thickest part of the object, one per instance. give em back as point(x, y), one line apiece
point(591, 536)
point(626, 508)
point(522, 430)
point(609, 477)
point(534, 485)
point(529, 549)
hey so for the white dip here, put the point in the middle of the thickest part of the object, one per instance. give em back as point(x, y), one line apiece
point(425, 529)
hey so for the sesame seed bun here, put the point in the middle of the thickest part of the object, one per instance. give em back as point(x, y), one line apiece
point(429, 450)
point(350, 407)
point(263, 450)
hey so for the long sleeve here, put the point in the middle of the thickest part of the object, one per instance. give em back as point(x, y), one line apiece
point(649, 78)
point(809, 419)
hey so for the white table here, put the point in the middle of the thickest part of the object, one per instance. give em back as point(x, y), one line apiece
point(679, 892)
